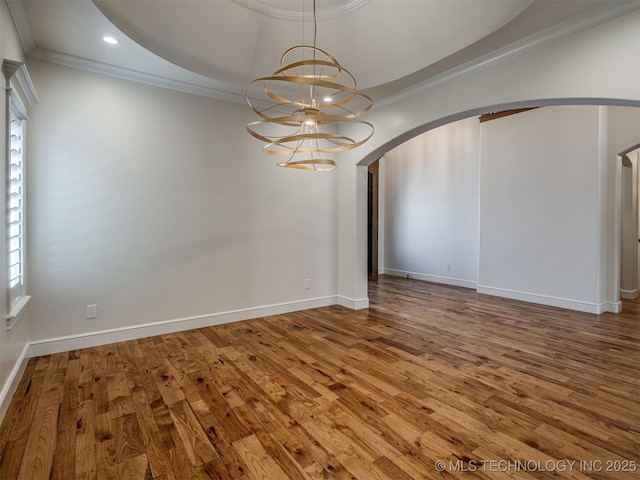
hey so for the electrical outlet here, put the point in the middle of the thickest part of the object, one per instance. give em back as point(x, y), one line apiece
point(307, 283)
point(92, 311)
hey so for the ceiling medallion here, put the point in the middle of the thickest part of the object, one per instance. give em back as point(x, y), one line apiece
point(290, 9)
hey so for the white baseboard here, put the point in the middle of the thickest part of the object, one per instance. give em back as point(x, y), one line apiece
point(456, 282)
point(352, 303)
point(577, 305)
point(629, 294)
point(11, 385)
point(103, 337)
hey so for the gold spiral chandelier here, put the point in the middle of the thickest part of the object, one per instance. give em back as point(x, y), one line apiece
point(306, 105)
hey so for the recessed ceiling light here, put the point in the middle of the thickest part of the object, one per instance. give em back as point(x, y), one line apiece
point(111, 40)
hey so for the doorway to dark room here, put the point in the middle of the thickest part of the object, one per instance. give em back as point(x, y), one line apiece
point(372, 219)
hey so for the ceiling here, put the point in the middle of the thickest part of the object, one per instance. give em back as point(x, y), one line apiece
point(216, 47)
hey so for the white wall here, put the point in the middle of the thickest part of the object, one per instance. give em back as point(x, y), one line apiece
point(546, 218)
point(431, 193)
point(157, 205)
point(539, 231)
point(12, 342)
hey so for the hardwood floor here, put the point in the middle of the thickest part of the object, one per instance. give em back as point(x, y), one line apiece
point(492, 388)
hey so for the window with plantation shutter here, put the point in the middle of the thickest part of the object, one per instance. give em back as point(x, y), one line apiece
point(20, 95)
point(15, 186)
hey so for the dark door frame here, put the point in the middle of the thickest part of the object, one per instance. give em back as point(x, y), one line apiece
point(372, 219)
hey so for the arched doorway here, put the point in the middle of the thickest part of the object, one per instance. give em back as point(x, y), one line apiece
point(608, 299)
point(590, 67)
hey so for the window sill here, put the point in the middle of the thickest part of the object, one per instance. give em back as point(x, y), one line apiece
point(16, 311)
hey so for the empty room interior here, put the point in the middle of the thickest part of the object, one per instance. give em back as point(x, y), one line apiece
point(320, 239)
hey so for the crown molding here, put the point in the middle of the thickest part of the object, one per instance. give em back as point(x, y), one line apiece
point(135, 75)
point(19, 16)
point(546, 36)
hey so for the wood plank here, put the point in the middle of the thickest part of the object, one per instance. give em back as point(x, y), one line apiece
point(85, 456)
point(64, 458)
point(259, 463)
point(23, 398)
point(127, 437)
point(151, 438)
point(193, 438)
point(27, 403)
point(12, 456)
point(38, 456)
point(135, 468)
point(105, 448)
